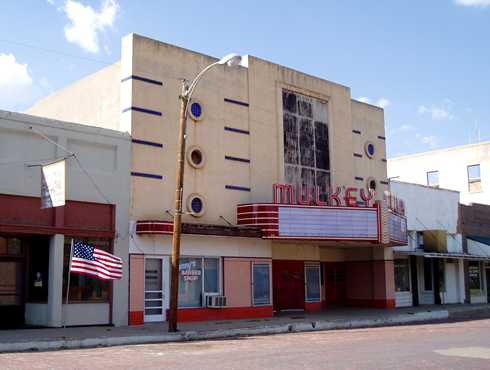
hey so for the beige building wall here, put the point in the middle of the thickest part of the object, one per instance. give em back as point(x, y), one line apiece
point(368, 126)
point(452, 164)
point(260, 87)
point(93, 100)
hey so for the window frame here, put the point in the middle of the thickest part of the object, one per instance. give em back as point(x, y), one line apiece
point(409, 275)
point(428, 173)
point(95, 241)
point(203, 292)
point(481, 287)
point(269, 265)
point(298, 117)
point(473, 180)
point(317, 266)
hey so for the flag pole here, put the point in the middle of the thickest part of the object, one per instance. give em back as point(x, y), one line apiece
point(68, 283)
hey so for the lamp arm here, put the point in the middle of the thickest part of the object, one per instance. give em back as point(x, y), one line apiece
point(196, 79)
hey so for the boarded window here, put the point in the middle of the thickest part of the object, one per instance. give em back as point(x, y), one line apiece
point(306, 149)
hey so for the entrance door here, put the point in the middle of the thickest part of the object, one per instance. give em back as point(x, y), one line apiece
point(451, 283)
point(12, 282)
point(334, 283)
point(154, 290)
point(487, 273)
point(289, 285)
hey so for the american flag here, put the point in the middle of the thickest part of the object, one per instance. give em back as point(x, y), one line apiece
point(89, 260)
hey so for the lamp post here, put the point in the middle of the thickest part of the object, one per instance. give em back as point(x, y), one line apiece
point(230, 60)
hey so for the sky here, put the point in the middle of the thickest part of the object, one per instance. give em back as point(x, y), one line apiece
point(427, 63)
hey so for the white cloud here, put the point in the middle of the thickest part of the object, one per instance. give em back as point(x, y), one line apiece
point(437, 113)
point(363, 99)
point(430, 140)
point(383, 103)
point(476, 3)
point(86, 24)
point(407, 128)
point(15, 82)
point(50, 2)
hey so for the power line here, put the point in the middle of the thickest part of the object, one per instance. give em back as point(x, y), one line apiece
point(71, 154)
point(52, 51)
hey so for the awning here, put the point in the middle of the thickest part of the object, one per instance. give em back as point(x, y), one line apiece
point(479, 239)
point(445, 255)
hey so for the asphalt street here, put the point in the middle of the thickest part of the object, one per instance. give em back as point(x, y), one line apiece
point(461, 345)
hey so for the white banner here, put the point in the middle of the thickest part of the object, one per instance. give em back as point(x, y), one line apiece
point(53, 185)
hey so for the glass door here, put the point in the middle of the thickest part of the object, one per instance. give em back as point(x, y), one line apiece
point(154, 290)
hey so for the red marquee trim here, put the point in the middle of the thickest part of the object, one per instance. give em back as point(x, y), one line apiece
point(154, 227)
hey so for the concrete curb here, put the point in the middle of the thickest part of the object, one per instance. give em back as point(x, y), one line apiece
point(49, 345)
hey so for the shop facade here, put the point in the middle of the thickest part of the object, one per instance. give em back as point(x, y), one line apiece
point(475, 226)
point(433, 268)
point(284, 185)
point(35, 242)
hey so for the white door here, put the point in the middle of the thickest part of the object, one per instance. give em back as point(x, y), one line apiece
point(154, 289)
point(451, 283)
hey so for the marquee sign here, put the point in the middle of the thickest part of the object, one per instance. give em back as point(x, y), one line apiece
point(287, 221)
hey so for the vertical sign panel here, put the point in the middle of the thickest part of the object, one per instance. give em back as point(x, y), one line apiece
point(398, 228)
point(53, 185)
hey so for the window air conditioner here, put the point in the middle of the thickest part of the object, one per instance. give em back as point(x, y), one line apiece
point(215, 301)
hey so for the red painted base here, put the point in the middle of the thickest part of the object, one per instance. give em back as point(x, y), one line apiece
point(313, 306)
point(371, 303)
point(228, 313)
point(136, 318)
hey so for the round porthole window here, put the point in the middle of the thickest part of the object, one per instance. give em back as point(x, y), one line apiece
point(196, 205)
point(196, 157)
point(195, 110)
point(369, 149)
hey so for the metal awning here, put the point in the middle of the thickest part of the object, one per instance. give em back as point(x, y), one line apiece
point(445, 255)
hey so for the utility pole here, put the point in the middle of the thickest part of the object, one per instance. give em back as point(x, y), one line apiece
point(179, 189)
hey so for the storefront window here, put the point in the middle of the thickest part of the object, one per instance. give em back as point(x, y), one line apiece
point(10, 247)
point(402, 275)
point(211, 277)
point(312, 273)
point(261, 284)
point(192, 285)
point(474, 271)
point(84, 288)
point(37, 250)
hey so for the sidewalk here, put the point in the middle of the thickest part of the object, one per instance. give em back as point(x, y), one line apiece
point(342, 318)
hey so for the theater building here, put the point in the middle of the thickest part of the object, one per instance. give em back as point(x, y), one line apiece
point(35, 242)
point(284, 191)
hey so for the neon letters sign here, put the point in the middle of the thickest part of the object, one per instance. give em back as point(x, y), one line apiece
point(307, 196)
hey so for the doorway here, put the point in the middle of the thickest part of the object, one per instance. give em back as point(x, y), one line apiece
point(451, 283)
point(487, 273)
point(155, 289)
point(334, 276)
point(288, 279)
point(12, 282)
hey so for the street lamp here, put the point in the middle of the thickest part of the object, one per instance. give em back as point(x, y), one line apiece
point(230, 60)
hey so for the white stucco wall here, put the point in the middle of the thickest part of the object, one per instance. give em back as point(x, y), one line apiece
point(452, 165)
point(428, 208)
